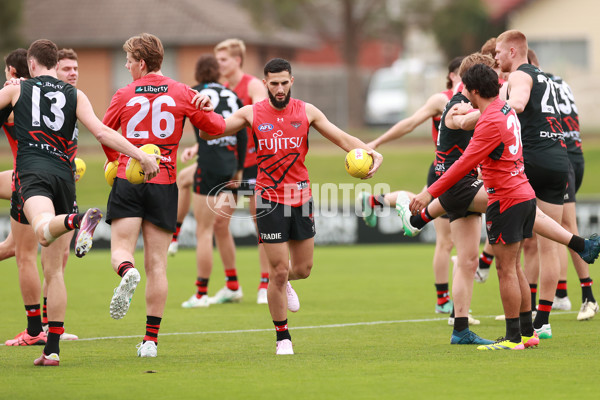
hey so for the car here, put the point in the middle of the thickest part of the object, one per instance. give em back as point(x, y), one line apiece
point(387, 98)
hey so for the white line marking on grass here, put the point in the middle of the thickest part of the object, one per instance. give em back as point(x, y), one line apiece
point(271, 329)
point(366, 323)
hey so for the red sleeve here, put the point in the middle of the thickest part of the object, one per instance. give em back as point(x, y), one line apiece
point(207, 121)
point(485, 140)
point(111, 119)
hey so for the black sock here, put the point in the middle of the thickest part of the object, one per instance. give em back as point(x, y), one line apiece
point(442, 293)
point(177, 231)
point(561, 289)
point(577, 243)
point(124, 267)
point(152, 327)
point(485, 260)
point(461, 323)
point(55, 329)
point(533, 289)
point(543, 314)
point(526, 323)
point(452, 313)
point(202, 287)
point(34, 319)
point(281, 329)
point(378, 200)
point(72, 221)
point(586, 290)
point(513, 330)
point(420, 220)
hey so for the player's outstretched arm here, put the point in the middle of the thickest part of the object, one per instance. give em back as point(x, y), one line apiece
point(111, 138)
point(235, 122)
point(9, 95)
point(433, 107)
point(337, 136)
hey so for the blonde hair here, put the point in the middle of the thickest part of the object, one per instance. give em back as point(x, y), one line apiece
point(235, 48)
point(475, 58)
point(147, 47)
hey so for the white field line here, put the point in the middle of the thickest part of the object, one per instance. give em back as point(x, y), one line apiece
point(293, 328)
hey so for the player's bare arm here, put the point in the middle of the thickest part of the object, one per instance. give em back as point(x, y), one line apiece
point(256, 91)
point(337, 136)
point(188, 153)
point(242, 118)
point(111, 138)
point(462, 116)
point(519, 90)
point(9, 95)
point(433, 107)
point(420, 201)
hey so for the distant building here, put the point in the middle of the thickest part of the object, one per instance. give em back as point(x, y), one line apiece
point(96, 30)
point(566, 38)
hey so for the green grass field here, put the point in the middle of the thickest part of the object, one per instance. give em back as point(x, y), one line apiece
point(366, 330)
point(405, 166)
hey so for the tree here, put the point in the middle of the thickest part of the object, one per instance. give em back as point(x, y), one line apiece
point(10, 23)
point(346, 21)
point(461, 27)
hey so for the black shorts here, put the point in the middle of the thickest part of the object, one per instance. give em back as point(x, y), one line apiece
point(549, 186)
point(578, 167)
point(152, 202)
point(511, 226)
point(279, 223)
point(431, 178)
point(571, 186)
point(208, 183)
point(248, 184)
point(29, 184)
point(458, 198)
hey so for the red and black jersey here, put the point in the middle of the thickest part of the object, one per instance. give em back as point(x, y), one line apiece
point(543, 143)
point(451, 143)
point(496, 144)
point(45, 121)
point(241, 89)
point(435, 121)
point(569, 117)
point(282, 143)
point(225, 155)
point(152, 109)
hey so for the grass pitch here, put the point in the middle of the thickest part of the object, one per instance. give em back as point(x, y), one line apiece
point(366, 329)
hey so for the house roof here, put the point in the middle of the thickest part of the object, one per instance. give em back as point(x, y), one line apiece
point(100, 23)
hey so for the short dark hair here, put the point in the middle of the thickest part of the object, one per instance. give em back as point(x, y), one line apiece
point(207, 69)
point(482, 78)
point(453, 67)
point(18, 60)
point(45, 52)
point(277, 65)
point(68, 54)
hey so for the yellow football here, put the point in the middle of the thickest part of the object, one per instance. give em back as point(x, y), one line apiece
point(79, 168)
point(358, 163)
point(110, 171)
point(134, 172)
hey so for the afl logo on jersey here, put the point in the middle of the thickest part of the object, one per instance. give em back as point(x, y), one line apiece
point(265, 127)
